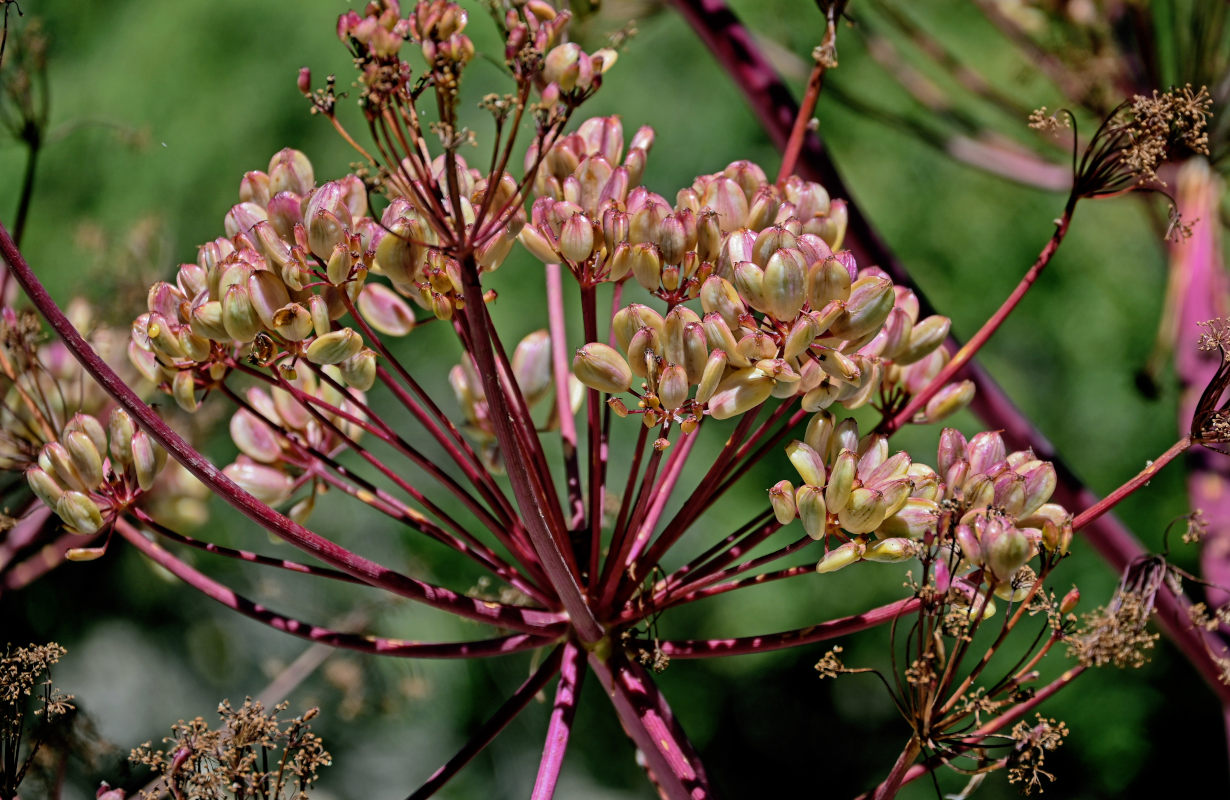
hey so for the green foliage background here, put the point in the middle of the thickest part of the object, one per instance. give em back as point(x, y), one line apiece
point(159, 108)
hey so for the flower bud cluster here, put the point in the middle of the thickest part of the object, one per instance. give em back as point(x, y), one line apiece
point(532, 368)
point(295, 258)
point(90, 473)
point(992, 504)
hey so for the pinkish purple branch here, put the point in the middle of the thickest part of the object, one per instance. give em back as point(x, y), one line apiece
point(505, 714)
point(567, 694)
point(502, 645)
point(273, 521)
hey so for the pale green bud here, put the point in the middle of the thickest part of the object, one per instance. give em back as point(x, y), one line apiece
point(891, 551)
point(741, 391)
point(576, 238)
point(715, 368)
point(914, 519)
point(695, 351)
point(55, 461)
point(808, 463)
point(749, 281)
point(183, 389)
point(781, 498)
point(924, 338)
point(238, 316)
point(121, 429)
point(79, 512)
point(1006, 550)
point(400, 254)
point(601, 367)
point(91, 427)
point(359, 371)
point(870, 300)
point(147, 459)
point(206, 321)
point(827, 281)
point(863, 512)
point(293, 322)
point(385, 310)
point(841, 481)
point(784, 284)
point(532, 367)
point(334, 347)
point(44, 486)
point(673, 387)
point(1040, 482)
point(813, 512)
point(802, 334)
point(840, 557)
point(819, 430)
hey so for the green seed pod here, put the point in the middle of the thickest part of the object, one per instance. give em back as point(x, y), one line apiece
point(781, 498)
point(359, 371)
point(601, 367)
point(840, 557)
point(183, 389)
point(841, 481)
point(863, 512)
point(715, 369)
point(739, 392)
point(238, 316)
point(290, 171)
point(784, 284)
point(44, 486)
point(813, 512)
point(91, 427)
point(924, 338)
point(334, 347)
point(147, 459)
point(206, 321)
point(86, 459)
point(808, 463)
point(121, 429)
point(267, 294)
point(56, 462)
point(870, 300)
point(79, 512)
point(891, 551)
point(827, 281)
point(836, 364)
point(1006, 550)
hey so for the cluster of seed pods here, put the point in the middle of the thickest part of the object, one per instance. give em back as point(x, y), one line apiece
point(90, 473)
point(783, 313)
point(988, 506)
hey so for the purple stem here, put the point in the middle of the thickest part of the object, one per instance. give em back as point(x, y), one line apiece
point(770, 99)
point(567, 422)
point(276, 523)
point(709, 648)
point(670, 759)
point(502, 645)
point(505, 714)
point(567, 693)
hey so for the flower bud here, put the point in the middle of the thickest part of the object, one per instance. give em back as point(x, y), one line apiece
point(290, 171)
point(44, 486)
point(56, 461)
point(841, 481)
point(821, 396)
point(79, 512)
point(784, 284)
point(206, 321)
point(808, 463)
point(266, 484)
point(866, 309)
point(749, 281)
point(183, 389)
point(715, 368)
point(576, 238)
point(840, 557)
point(293, 322)
point(813, 512)
point(1068, 604)
point(863, 512)
point(1040, 482)
point(741, 391)
point(673, 387)
point(147, 459)
point(1006, 549)
point(781, 498)
point(719, 296)
point(832, 226)
point(90, 554)
point(334, 347)
point(601, 367)
point(238, 316)
point(242, 218)
point(916, 517)
point(891, 551)
point(924, 338)
point(121, 430)
point(695, 351)
point(267, 294)
point(359, 371)
point(91, 427)
point(948, 401)
point(726, 198)
point(646, 264)
point(971, 547)
point(827, 281)
point(255, 438)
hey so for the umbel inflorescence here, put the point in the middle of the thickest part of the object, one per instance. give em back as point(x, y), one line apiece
point(730, 310)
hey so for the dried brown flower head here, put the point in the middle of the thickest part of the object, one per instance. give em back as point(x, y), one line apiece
point(251, 754)
point(1115, 634)
point(1032, 744)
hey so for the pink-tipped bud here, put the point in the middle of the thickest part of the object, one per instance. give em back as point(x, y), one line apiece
point(601, 367)
point(255, 438)
point(739, 392)
point(266, 484)
point(334, 347)
point(841, 557)
point(841, 481)
point(781, 498)
point(813, 512)
point(673, 387)
point(808, 463)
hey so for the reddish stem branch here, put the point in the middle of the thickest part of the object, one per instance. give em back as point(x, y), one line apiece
point(505, 714)
point(276, 523)
point(314, 633)
point(567, 693)
point(1144, 476)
